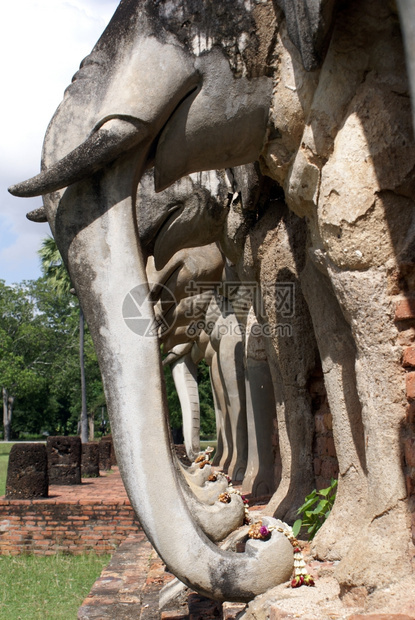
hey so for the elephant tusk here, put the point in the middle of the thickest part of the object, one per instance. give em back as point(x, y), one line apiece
point(103, 146)
point(37, 215)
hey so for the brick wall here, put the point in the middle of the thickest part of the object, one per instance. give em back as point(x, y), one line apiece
point(46, 527)
point(402, 286)
point(326, 465)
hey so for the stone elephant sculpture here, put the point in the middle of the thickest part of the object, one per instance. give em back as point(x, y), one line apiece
point(213, 334)
point(199, 269)
point(289, 364)
point(199, 205)
point(322, 100)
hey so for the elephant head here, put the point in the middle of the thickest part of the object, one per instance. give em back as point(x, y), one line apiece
point(191, 213)
point(154, 91)
point(182, 87)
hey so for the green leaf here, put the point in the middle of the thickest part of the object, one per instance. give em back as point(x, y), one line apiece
point(307, 505)
point(297, 527)
point(322, 505)
point(316, 509)
point(325, 492)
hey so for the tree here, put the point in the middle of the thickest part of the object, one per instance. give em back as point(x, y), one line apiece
point(24, 342)
point(39, 361)
point(207, 408)
point(7, 413)
point(55, 271)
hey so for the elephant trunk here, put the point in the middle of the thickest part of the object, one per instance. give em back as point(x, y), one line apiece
point(184, 373)
point(95, 231)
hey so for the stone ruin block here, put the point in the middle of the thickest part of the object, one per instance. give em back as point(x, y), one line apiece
point(113, 456)
point(106, 450)
point(90, 460)
point(64, 460)
point(27, 473)
point(105, 460)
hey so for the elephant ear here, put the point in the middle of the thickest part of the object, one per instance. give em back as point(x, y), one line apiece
point(309, 24)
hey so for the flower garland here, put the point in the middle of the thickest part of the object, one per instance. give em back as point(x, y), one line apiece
point(204, 457)
point(257, 529)
point(232, 491)
point(301, 577)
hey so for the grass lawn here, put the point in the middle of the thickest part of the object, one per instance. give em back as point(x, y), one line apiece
point(35, 587)
point(204, 444)
point(4, 459)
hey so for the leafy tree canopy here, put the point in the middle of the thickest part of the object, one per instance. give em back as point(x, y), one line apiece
point(39, 357)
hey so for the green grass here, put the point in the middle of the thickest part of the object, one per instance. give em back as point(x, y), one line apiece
point(204, 444)
point(4, 459)
point(53, 587)
point(36, 587)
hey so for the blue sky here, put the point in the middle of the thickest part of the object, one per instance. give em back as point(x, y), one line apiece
point(42, 43)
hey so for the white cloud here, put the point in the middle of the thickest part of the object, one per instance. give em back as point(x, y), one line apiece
point(42, 43)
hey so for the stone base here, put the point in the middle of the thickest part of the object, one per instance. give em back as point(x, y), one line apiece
point(105, 454)
point(27, 473)
point(90, 460)
point(64, 460)
point(95, 516)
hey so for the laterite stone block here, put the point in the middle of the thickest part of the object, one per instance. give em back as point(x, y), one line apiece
point(105, 459)
point(64, 460)
point(113, 456)
point(90, 460)
point(27, 473)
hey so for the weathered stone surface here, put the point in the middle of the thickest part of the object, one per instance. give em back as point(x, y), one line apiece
point(64, 459)
point(90, 460)
point(409, 451)
point(380, 617)
point(339, 170)
point(339, 142)
point(27, 472)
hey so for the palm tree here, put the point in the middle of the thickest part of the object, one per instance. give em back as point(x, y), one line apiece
point(55, 271)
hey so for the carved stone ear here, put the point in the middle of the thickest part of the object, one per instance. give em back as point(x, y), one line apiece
point(309, 24)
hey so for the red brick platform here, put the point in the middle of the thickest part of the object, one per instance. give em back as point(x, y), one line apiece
point(97, 516)
point(129, 588)
point(93, 516)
